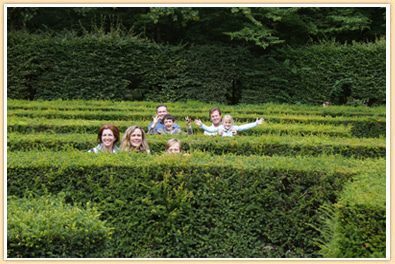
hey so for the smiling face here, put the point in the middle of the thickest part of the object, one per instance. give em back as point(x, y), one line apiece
point(136, 138)
point(215, 118)
point(174, 148)
point(108, 138)
point(161, 112)
point(228, 123)
point(168, 124)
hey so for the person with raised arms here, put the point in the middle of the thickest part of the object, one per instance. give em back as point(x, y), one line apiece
point(157, 123)
point(134, 140)
point(171, 128)
point(215, 116)
point(227, 128)
point(107, 137)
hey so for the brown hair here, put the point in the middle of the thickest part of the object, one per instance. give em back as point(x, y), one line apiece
point(114, 130)
point(212, 110)
point(125, 144)
point(169, 117)
point(160, 106)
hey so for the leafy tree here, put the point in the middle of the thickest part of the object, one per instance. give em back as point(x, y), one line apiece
point(255, 27)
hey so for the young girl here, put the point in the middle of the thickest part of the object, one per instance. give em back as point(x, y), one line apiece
point(107, 137)
point(173, 146)
point(228, 129)
point(134, 140)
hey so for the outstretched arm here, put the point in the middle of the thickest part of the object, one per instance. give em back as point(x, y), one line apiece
point(206, 128)
point(249, 125)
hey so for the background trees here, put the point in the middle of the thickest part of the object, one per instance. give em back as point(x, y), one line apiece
point(222, 54)
point(262, 27)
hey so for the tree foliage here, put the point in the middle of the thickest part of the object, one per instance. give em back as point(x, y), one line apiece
point(247, 26)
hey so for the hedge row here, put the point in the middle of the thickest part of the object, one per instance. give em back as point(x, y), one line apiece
point(46, 227)
point(128, 68)
point(27, 125)
point(261, 145)
point(195, 107)
point(356, 225)
point(92, 67)
point(342, 74)
point(359, 129)
point(197, 205)
point(138, 115)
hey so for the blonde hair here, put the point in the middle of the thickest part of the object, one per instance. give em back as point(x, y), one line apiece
point(127, 146)
point(227, 117)
point(171, 142)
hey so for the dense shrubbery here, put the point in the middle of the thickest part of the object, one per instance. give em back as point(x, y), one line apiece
point(46, 227)
point(196, 107)
point(357, 225)
point(361, 126)
point(26, 125)
point(171, 206)
point(272, 191)
point(106, 67)
point(258, 145)
point(284, 119)
point(113, 68)
point(145, 115)
point(342, 74)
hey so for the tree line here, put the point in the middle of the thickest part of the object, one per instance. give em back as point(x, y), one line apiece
point(257, 28)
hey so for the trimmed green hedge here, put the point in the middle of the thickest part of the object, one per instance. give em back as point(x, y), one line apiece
point(140, 114)
point(46, 227)
point(128, 68)
point(261, 145)
point(27, 125)
point(121, 68)
point(356, 224)
point(343, 74)
point(369, 128)
point(197, 107)
point(361, 126)
point(226, 202)
point(197, 205)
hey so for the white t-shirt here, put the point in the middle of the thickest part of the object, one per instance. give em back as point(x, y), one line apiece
point(211, 133)
point(212, 130)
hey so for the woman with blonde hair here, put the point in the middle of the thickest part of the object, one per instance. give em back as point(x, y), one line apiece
point(173, 145)
point(134, 140)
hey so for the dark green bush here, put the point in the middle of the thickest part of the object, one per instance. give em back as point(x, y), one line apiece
point(363, 231)
point(192, 106)
point(369, 128)
point(46, 227)
point(197, 205)
point(269, 145)
point(356, 225)
point(128, 68)
point(328, 71)
point(146, 114)
point(361, 126)
point(27, 125)
point(106, 67)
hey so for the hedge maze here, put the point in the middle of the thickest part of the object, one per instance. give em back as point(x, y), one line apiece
point(308, 183)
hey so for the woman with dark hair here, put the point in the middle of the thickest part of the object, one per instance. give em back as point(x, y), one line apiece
point(134, 140)
point(107, 137)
